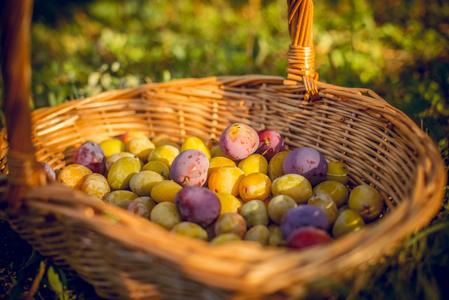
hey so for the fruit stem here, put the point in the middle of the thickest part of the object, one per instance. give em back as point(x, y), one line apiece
point(187, 180)
point(265, 152)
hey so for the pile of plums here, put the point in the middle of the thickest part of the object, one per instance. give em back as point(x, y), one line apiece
point(246, 185)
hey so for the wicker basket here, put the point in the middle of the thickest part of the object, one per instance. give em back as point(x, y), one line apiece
point(131, 258)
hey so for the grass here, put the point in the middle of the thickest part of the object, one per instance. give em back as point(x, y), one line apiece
point(25, 274)
point(398, 49)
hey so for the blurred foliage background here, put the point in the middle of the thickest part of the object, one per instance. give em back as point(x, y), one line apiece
point(399, 49)
point(396, 48)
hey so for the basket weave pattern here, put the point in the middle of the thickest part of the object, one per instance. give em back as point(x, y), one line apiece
point(127, 257)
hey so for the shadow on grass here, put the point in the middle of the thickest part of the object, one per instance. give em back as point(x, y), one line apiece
point(20, 266)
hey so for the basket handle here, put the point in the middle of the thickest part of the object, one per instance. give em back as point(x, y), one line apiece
point(24, 171)
point(301, 52)
point(23, 168)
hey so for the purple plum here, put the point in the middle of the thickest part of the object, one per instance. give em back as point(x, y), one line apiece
point(91, 155)
point(198, 205)
point(49, 172)
point(303, 215)
point(307, 162)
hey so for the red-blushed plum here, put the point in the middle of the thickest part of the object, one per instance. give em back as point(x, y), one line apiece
point(91, 155)
point(238, 141)
point(308, 236)
point(190, 168)
point(198, 205)
point(303, 215)
point(307, 162)
point(270, 143)
point(142, 206)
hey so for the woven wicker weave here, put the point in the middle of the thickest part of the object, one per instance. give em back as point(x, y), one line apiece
point(132, 258)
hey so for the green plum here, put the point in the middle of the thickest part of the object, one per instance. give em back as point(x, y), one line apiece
point(336, 190)
point(255, 213)
point(276, 238)
point(337, 171)
point(225, 238)
point(294, 185)
point(366, 201)
point(190, 229)
point(278, 206)
point(347, 221)
point(165, 214)
point(258, 233)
